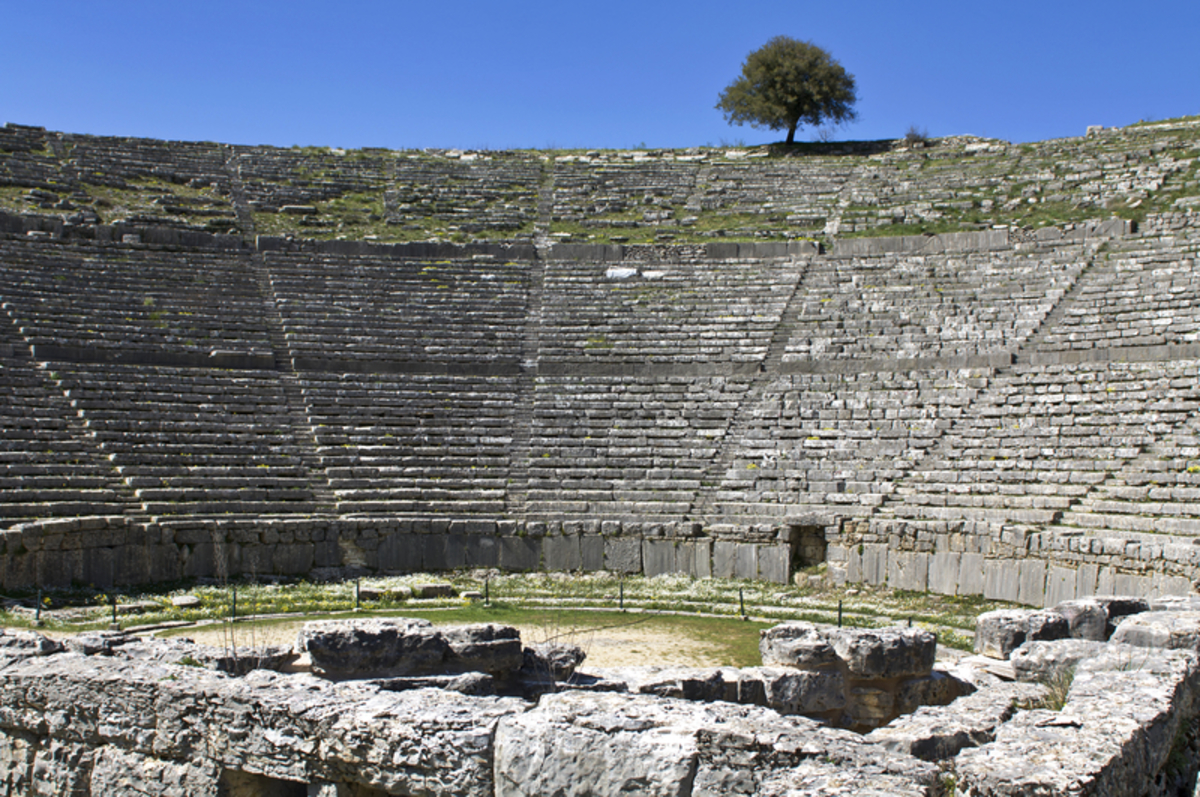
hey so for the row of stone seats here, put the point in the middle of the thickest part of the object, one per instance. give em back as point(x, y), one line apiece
point(127, 299)
point(583, 192)
point(339, 308)
point(105, 160)
point(1158, 492)
point(804, 191)
point(492, 192)
point(957, 175)
point(1146, 293)
point(49, 469)
point(819, 440)
point(274, 178)
point(629, 447)
point(937, 305)
point(27, 160)
point(196, 441)
point(413, 444)
point(1039, 439)
point(670, 312)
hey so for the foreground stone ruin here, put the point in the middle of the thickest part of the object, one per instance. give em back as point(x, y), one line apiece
point(378, 707)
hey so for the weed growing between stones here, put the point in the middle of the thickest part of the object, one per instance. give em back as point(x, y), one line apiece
point(1058, 686)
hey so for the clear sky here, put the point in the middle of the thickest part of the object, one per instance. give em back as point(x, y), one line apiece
point(476, 74)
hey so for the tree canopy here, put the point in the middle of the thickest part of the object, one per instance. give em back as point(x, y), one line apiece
point(787, 82)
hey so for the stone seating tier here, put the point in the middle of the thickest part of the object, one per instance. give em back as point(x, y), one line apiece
point(413, 444)
point(376, 309)
point(717, 312)
point(158, 425)
point(97, 298)
point(1039, 439)
point(925, 306)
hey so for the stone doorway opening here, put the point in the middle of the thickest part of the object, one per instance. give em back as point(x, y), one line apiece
point(809, 546)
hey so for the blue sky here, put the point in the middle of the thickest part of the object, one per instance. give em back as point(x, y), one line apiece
point(609, 74)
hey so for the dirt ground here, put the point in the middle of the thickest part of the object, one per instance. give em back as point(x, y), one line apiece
point(633, 646)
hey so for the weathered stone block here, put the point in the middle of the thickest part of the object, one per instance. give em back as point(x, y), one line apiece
point(591, 550)
point(796, 644)
point(944, 570)
point(774, 563)
point(1044, 661)
point(480, 550)
point(562, 553)
point(1086, 619)
point(885, 652)
point(998, 633)
point(791, 691)
point(1171, 630)
point(724, 561)
point(658, 557)
point(908, 570)
point(520, 553)
point(746, 565)
point(874, 563)
point(623, 555)
point(372, 648)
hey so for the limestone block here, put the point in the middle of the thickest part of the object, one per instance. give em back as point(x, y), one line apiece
point(874, 563)
point(1046, 624)
point(796, 644)
point(774, 563)
point(998, 633)
point(894, 652)
point(125, 773)
point(401, 553)
point(294, 559)
point(1112, 736)
point(486, 647)
point(597, 744)
point(623, 554)
point(1086, 619)
point(945, 568)
point(970, 574)
point(482, 550)
point(591, 549)
point(1043, 661)
point(694, 557)
point(1173, 630)
point(1000, 580)
point(62, 767)
point(1031, 582)
point(1120, 606)
point(520, 553)
point(562, 553)
point(870, 706)
point(724, 559)
point(433, 551)
point(1060, 585)
point(746, 565)
point(936, 689)
point(455, 551)
point(557, 660)
point(16, 644)
point(908, 570)
point(938, 733)
point(658, 557)
point(373, 647)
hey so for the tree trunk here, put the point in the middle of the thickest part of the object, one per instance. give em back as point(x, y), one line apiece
point(791, 134)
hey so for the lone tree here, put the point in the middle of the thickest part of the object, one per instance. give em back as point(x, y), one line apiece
point(786, 82)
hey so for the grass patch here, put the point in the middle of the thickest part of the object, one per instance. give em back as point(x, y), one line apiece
point(571, 595)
